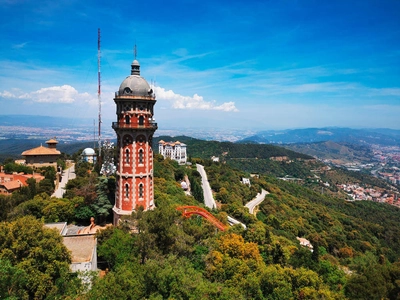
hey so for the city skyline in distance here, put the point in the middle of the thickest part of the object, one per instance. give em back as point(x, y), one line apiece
point(71, 130)
point(231, 65)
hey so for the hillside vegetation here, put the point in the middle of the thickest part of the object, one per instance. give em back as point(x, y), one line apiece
point(279, 162)
point(340, 152)
point(159, 254)
point(206, 149)
point(355, 250)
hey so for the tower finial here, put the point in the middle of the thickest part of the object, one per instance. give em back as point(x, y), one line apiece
point(135, 51)
point(135, 67)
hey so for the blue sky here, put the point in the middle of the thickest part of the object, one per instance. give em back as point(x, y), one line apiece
point(213, 64)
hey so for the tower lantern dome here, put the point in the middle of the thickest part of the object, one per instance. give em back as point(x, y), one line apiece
point(135, 68)
point(135, 85)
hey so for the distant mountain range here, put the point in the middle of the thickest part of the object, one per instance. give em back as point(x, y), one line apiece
point(340, 152)
point(73, 127)
point(388, 137)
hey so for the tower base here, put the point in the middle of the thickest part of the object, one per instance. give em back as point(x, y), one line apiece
point(118, 213)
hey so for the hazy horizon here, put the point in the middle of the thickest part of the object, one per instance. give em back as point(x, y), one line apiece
point(106, 125)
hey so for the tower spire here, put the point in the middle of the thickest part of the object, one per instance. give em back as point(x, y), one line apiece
point(135, 51)
point(99, 90)
point(135, 66)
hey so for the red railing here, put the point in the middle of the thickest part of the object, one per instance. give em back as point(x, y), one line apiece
point(188, 211)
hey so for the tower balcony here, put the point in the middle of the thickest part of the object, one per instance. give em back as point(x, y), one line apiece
point(116, 125)
point(124, 96)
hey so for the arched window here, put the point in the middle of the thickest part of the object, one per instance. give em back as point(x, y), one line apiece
point(141, 120)
point(127, 120)
point(126, 190)
point(141, 190)
point(127, 156)
point(140, 156)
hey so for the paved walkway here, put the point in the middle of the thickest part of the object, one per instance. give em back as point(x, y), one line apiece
point(256, 201)
point(66, 175)
point(208, 196)
point(210, 202)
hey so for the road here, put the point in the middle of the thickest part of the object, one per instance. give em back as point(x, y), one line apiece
point(208, 196)
point(66, 175)
point(256, 201)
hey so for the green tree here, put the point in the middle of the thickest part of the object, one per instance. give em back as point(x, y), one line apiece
point(13, 281)
point(61, 163)
point(34, 256)
point(46, 186)
point(11, 167)
point(50, 209)
point(116, 247)
point(102, 205)
point(195, 186)
point(179, 174)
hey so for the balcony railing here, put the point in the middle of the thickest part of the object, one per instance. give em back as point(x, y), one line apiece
point(116, 125)
point(151, 96)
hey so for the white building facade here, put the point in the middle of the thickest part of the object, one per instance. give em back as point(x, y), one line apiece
point(173, 150)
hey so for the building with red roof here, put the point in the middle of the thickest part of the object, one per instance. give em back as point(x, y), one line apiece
point(42, 156)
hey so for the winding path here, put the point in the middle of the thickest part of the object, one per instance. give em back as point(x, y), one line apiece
point(256, 201)
point(210, 202)
point(207, 193)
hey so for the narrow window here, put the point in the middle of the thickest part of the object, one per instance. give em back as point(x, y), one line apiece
point(140, 190)
point(126, 191)
point(140, 156)
point(127, 156)
point(127, 120)
point(141, 120)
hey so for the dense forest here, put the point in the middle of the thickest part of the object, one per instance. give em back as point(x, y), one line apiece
point(159, 254)
point(206, 149)
point(276, 161)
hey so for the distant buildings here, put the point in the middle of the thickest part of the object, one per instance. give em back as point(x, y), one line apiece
point(215, 158)
point(173, 150)
point(305, 243)
point(184, 185)
point(245, 181)
point(42, 156)
point(13, 182)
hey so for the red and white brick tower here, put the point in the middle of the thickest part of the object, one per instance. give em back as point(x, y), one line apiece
point(135, 128)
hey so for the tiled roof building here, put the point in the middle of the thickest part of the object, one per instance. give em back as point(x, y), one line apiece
point(12, 182)
point(83, 248)
point(42, 156)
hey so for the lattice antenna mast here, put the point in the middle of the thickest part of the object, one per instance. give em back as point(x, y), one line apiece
point(94, 133)
point(99, 89)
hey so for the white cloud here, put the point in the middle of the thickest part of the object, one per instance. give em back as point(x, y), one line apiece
point(54, 94)
point(194, 102)
point(19, 46)
point(386, 108)
point(385, 91)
